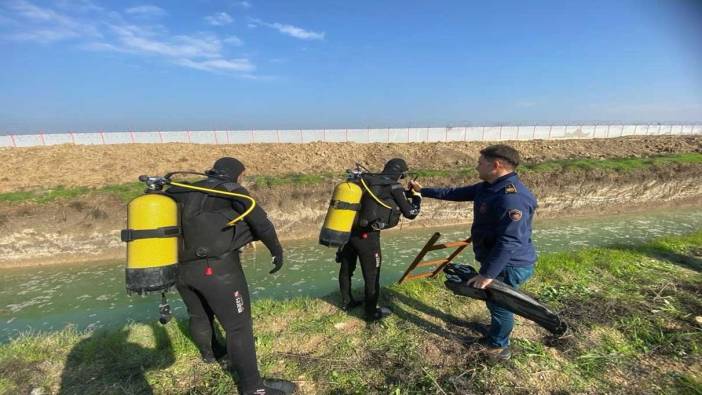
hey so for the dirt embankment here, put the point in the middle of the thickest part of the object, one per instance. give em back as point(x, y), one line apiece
point(94, 166)
point(87, 228)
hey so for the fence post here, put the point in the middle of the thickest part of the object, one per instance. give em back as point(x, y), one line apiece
point(226, 133)
point(189, 139)
point(14, 143)
point(41, 135)
point(607, 133)
point(73, 138)
point(277, 135)
point(482, 137)
point(302, 139)
point(533, 133)
point(635, 127)
point(446, 134)
point(550, 128)
point(499, 138)
point(252, 136)
point(347, 135)
point(324, 134)
point(387, 137)
point(408, 135)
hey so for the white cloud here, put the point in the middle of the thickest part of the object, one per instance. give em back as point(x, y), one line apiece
point(146, 10)
point(237, 65)
point(233, 40)
point(298, 32)
point(105, 30)
point(45, 25)
point(219, 19)
point(137, 39)
point(290, 30)
point(78, 5)
point(43, 36)
point(243, 4)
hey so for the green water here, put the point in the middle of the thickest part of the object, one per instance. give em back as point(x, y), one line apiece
point(93, 295)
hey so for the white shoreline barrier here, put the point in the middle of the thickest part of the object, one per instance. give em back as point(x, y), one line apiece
point(387, 135)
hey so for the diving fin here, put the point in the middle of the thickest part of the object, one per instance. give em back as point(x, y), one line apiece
point(504, 296)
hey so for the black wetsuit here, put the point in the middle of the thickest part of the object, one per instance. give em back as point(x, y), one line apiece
point(364, 244)
point(215, 286)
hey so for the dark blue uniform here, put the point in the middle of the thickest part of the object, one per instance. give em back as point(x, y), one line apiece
point(501, 234)
point(502, 215)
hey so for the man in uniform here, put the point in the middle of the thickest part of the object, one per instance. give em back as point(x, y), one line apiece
point(211, 280)
point(503, 209)
point(383, 202)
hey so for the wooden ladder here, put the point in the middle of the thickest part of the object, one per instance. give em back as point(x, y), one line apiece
point(430, 246)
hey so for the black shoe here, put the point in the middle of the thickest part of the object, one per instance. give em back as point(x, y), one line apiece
point(208, 358)
point(379, 314)
point(274, 387)
point(348, 306)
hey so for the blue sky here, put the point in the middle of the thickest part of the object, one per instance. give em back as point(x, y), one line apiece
point(89, 65)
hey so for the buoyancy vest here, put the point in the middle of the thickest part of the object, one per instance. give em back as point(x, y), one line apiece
point(204, 219)
point(373, 215)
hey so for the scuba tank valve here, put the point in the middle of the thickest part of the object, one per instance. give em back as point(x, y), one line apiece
point(164, 310)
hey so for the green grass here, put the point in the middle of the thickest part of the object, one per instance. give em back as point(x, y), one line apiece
point(632, 310)
point(43, 196)
point(618, 165)
point(128, 191)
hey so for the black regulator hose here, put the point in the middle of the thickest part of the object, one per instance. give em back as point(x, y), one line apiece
point(164, 310)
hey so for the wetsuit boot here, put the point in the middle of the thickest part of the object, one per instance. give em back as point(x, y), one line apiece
point(272, 387)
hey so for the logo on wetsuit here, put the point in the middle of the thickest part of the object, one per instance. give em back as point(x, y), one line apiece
point(239, 302)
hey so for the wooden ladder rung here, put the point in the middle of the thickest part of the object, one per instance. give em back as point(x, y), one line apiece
point(448, 245)
point(432, 262)
point(420, 275)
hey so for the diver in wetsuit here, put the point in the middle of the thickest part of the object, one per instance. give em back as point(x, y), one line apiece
point(383, 201)
point(211, 280)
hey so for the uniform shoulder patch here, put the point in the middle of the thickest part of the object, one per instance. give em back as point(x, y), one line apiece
point(510, 188)
point(514, 214)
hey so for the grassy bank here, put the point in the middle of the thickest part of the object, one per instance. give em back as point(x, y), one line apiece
point(634, 312)
point(128, 191)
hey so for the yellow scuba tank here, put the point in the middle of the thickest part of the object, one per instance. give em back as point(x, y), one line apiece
point(152, 242)
point(153, 233)
point(343, 208)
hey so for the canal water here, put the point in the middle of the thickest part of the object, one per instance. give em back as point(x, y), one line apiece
point(93, 295)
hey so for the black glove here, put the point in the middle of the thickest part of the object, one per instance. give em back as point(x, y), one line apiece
point(277, 263)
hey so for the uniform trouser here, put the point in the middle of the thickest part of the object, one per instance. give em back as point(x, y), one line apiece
point(501, 319)
point(223, 294)
point(367, 250)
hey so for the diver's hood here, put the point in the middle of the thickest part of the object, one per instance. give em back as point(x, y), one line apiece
point(395, 168)
point(228, 168)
